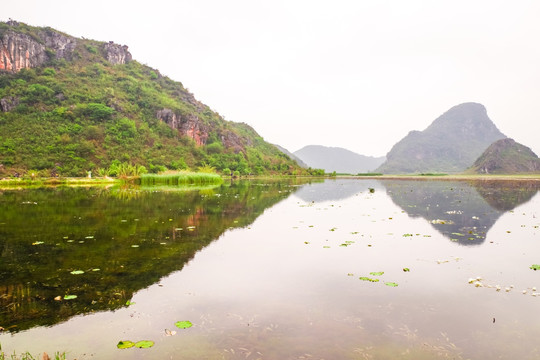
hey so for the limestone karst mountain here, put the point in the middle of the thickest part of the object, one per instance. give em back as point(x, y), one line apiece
point(450, 144)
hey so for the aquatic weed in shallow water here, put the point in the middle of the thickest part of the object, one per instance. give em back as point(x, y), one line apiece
point(181, 178)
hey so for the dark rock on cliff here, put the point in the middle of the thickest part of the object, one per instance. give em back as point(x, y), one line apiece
point(450, 144)
point(506, 156)
point(8, 103)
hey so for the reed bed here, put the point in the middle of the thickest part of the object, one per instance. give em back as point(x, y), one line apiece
point(182, 178)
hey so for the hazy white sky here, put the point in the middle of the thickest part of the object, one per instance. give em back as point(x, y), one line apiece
point(355, 74)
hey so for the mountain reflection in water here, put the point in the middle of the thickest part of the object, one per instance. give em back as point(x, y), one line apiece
point(462, 211)
point(103, 245)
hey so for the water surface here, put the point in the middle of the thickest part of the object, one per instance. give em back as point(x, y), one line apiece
point(272, 271)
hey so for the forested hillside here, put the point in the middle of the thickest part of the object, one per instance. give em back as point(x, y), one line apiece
point(71, 105)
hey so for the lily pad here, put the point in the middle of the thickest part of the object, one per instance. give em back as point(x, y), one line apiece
point(535, 267)
point(393, 284)
point(183, 324)
point(376, 273)
point(144, 344)
point(364, 278)
point(77, 272)
point(406, 269)
point(70, 297)
point(125, 344)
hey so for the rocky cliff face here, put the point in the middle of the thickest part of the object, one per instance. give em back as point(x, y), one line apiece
point(19, 50)
point(117, 54)
point(192, 126)
point(189, 125)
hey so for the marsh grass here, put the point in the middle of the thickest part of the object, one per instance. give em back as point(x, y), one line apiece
point(39, 182)
point(28, 356)
point(181, 178)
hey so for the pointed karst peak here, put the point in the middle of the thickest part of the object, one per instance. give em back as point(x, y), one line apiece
point(450, 144)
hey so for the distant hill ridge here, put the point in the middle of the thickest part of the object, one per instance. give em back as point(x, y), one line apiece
point(506, 156)
point(450, 144)
point(337, 159)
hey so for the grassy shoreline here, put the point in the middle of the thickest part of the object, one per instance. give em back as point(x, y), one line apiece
point(205, 179)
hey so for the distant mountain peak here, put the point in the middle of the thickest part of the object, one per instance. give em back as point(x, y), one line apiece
point(337, 159)
point(451, 143)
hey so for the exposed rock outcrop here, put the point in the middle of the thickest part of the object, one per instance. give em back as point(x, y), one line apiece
point(117, 54)
point(19, 50)
point(188, 125)
point(8, 103)
point(232, 141)
point(62, 45)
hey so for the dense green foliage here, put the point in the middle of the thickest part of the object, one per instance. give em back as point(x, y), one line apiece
point(88, 114)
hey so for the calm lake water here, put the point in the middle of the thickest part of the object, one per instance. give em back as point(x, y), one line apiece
point(274, 270)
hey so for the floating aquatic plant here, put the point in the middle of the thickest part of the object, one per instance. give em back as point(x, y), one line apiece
point(144, 344)
point(183, 324)
point(125, 344)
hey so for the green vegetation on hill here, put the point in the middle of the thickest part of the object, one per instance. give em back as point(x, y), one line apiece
point(81, 113)
point(506, 156)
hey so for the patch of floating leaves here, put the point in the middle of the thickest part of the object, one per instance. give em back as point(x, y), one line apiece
point(143, 344)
